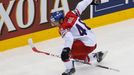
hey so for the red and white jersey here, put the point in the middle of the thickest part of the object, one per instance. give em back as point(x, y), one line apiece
point(73, 28)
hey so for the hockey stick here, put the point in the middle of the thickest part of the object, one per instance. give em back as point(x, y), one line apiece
point(100, 66)
point(30, 41)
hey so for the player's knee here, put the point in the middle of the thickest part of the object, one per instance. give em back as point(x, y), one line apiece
point(65, 54)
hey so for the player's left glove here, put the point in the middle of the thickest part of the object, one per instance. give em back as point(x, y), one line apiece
point(65, 54)
point(96, 2)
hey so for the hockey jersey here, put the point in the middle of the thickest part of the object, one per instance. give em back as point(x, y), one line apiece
point(73, 29)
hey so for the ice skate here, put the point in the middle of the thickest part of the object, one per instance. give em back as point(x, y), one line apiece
point(69, 71)
point(100, 55)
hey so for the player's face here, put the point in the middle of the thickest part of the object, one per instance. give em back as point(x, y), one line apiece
point(56, 23)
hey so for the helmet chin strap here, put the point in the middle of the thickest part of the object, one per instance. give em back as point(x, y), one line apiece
point(57, 23)
point(61, 21)
point(52, 24)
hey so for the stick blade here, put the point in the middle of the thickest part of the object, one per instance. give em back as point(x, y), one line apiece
point(30, 42)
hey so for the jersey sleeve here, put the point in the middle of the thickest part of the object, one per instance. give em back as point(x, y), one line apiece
point(65, 28)
point(68, 38)
point(82, 6)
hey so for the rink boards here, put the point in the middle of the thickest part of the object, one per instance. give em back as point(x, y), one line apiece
point(98, 20)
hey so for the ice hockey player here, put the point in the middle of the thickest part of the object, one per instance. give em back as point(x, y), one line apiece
point(79, 39)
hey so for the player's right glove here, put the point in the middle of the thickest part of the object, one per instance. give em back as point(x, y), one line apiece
point(65, 54)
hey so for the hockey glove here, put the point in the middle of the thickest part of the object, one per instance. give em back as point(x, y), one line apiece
point(65, 54)
point(96, 2)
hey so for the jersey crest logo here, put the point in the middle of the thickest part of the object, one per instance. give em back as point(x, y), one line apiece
point(70, 20)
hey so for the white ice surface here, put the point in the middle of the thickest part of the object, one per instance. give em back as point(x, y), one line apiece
point(117, 38)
